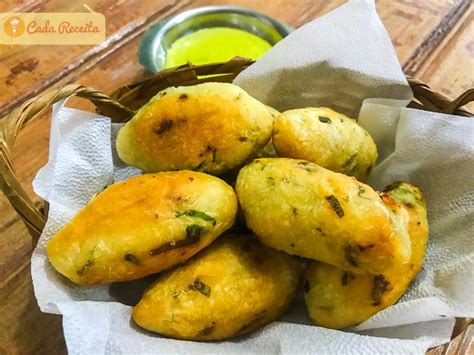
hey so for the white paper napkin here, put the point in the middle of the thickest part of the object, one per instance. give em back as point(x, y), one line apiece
point(434, 151)
point(337, 61)
point(108, 333)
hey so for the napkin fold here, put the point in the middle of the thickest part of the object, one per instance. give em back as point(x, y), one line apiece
point(336, 61)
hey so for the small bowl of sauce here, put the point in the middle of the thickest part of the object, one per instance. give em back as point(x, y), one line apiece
point(209, 34)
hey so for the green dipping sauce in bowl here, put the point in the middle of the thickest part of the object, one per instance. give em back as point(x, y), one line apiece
point(209, 34)
point(217, 44)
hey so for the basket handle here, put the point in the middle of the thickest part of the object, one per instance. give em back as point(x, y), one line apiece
point(462, 100)
point(11, 125)
point(430, 100)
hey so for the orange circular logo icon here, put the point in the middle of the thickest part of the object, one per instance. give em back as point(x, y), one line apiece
point(14, 26)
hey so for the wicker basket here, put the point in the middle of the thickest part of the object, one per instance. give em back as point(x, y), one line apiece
point(121, 105)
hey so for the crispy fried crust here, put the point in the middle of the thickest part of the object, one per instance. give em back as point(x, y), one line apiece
point(231, 288)
point(211, 127)
point(306, 210)
point(325, 137)
point(338, 299)
point(141, 226)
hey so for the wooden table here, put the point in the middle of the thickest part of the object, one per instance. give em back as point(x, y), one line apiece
point(433, 40)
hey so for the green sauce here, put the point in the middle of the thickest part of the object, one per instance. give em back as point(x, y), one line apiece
point(218, 44)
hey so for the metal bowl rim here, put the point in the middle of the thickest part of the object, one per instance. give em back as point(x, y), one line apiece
point(151, 41)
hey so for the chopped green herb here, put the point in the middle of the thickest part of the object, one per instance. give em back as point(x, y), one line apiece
point(350, 253)
point(324, 119)
point(193, 235)
point(348, 164)
point(165, 126)
point(346, 277)
point(243, 139)
point(365, 247)
point(132, 259)
point(175, 244)
point(404, 194)
point(85, 267)
point(197, 214)
point(380, 286)
point(199, 167)
point(183, 96)
point(305, 165)
point(195, 231)
point(207, 331)
point(214, 152)
point(271, 181)
point(202, 288)
point(306, 286)
point(336, 206)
